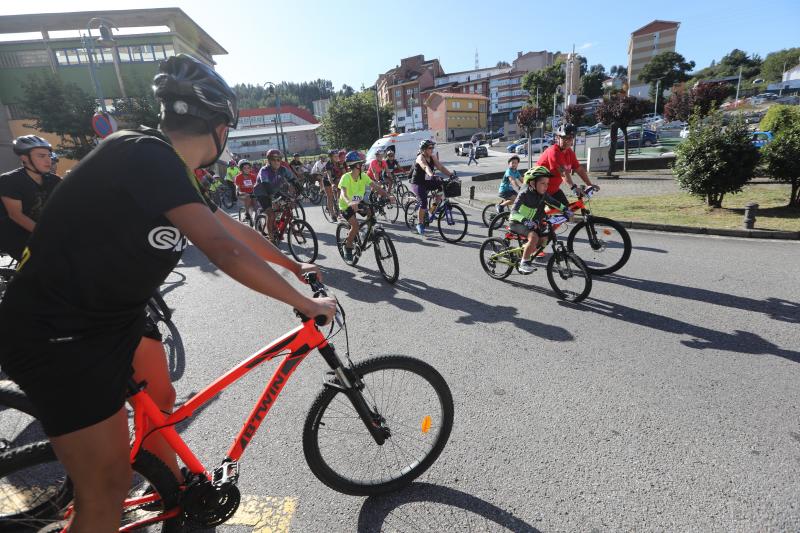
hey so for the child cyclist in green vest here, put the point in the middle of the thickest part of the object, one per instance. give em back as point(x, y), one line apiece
point(353, 189)
point(527, 214)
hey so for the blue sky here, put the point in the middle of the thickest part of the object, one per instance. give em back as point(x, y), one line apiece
point(352, 42)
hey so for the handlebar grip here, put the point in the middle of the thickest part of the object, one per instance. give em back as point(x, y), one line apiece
point(320, 320)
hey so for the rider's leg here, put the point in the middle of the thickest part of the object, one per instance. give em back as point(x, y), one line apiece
point(351, 235)
point(98, 463)
point(150, 365)
point(530, 246)
point(270, 223)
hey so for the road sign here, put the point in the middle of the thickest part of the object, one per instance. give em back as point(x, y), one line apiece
point(103, 124)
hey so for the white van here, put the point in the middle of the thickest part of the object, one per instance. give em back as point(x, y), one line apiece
point(405, 146)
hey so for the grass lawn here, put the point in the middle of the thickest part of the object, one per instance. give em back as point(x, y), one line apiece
point(681, 209)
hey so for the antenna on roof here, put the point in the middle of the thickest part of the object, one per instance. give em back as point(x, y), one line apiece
point(476, 59)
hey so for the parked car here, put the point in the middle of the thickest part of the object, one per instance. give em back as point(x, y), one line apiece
point(650, 117)
point(649, 139)
point(464, 148)
point(684, 134)
point(404, 145)
point(761, 138)
point(537, 145)
point(511, 148)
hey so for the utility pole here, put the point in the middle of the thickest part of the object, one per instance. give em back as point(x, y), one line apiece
point(655, 106)
point(738, 83)
point(377, 112)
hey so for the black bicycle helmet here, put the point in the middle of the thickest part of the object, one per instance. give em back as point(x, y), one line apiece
point(566, 130)
point(23, 145)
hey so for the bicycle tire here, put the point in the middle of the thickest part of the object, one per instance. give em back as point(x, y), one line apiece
point(298, 232)
point(592, 255)
point(488, 214)
point(498, 222)
point(342, 229)
point(331, 217)
point(340, 481)
point(489, 248)
point(412, 214)
point(6, 275)
point(458, 235)
point(385, 252)
point(261, 224)
point(313, 193)
point(391, 211)
point(573, 268)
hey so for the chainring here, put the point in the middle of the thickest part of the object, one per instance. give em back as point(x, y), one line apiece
point(210, 505)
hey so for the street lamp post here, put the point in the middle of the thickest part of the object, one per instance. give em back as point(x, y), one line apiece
point(655, 105)
point(278, 123)
point(413, 122)
point(378, 111)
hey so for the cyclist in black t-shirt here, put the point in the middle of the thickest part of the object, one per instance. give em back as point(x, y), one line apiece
point(24, 191)
point(71, 321)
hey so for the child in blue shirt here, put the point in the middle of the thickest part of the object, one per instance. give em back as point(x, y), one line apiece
point(510, 184)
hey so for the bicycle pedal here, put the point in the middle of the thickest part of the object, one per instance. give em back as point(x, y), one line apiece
point(227, 472)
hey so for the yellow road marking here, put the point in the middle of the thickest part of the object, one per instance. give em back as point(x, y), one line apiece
point(266, 514)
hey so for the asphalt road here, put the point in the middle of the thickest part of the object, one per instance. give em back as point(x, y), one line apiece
point(668, 400)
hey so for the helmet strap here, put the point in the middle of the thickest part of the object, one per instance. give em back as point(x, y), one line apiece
point(32, 167)
point(219, 145)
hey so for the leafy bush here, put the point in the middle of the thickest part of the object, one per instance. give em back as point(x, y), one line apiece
point(715, 160)
point(780, 118)
point(782, 161)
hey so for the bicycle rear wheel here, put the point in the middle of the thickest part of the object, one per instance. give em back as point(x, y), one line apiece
point(298, 212)
point(488, 214)
point(602, 243)
point(412, 214)
point(330, 216)
point(261, 224)
point(568, 276)
point(453, 223)
point(390, 212)
point(494, 259)
point(498, 222)
point(386, 257)
point(342, 229)
point(302, 241)
point(406, 396)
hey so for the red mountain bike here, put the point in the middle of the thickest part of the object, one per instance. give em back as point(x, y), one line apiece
point(374, 428)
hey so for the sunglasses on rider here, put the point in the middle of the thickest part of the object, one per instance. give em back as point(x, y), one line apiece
point(273, 158)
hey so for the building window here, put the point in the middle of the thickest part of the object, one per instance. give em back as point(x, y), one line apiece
point(147, 53)
point(24, 58)
point(398, 93)
point(469, 105)
point(482, 107)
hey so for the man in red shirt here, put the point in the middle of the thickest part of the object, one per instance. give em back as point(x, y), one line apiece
point(245, 182)
point(560, 160)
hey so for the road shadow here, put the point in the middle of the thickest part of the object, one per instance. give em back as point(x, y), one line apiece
point(775, 308)
point(374, 289)
point(425, 507)
point(174, 348)
point(703, 338)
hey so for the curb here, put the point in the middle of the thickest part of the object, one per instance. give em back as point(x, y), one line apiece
point(669, 228)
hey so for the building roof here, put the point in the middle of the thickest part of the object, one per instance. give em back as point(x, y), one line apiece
point(654, 26)
point(123, 18)
point(269, 130)
point(294, 110)
point(460, 95)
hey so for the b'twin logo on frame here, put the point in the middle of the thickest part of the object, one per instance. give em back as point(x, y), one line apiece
point(167, 238)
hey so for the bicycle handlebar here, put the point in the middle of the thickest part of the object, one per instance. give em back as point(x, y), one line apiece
point(320, 291)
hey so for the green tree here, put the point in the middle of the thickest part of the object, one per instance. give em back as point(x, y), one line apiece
point(592, 84)
point(63, 109)
point(670, 68)
point(502, 64)
point(772, 67)
point(547, 81)
point(729, 65)
point(347, 90)
point(139, 109)
point(780, 118)
point(781, 162)
point(715, 160)
point(618, 71)
point(597, 69)
point(300, 94)
point(351, 121)
point(617, 112)
point(573, 114)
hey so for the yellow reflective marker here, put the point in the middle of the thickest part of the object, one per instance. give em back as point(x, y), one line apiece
point(266, 514)
point(426, 424)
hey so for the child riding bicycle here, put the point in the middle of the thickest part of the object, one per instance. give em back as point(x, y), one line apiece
point(527, 214)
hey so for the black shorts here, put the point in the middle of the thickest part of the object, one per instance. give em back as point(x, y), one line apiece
point(326, 182)
point(505, 195)
point(74, 384)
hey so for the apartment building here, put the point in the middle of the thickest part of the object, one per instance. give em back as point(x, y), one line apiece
point(401, 89)
point(453, 116)
point(267, 116)
point(657, 37)
point(51, 42)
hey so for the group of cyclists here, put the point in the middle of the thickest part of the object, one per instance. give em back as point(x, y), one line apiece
point(114, 230)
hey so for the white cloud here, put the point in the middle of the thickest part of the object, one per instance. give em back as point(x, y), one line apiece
point(584, 46)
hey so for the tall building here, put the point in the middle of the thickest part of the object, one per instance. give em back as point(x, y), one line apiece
point(400, 88)
point(647, 42)
point(124, 66)
point(506, 95)
point(572, 78)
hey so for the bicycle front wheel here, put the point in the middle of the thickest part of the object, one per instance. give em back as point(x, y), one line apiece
point(602, 243)
point(302, 241)
point(453, 224)
point(298, 212)
point(488, 214)
point(412, 214)
point(390, 212)
point(568, 276)
point(407, 397)
point(329, 215)
point(386, 257)
point(342, 229)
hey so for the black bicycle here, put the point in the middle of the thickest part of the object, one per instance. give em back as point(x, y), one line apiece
point(604, 244)
point(371, 233)
point(451, 219)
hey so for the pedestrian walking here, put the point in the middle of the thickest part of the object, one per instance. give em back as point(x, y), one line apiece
point(472, 155)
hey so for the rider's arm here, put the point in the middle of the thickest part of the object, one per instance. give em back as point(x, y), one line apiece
point(14, 209)
point(234, 257)
point(440, 166)
point(552, 202)
point(428, 170)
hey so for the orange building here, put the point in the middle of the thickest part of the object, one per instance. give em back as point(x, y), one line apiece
point(454, 116)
